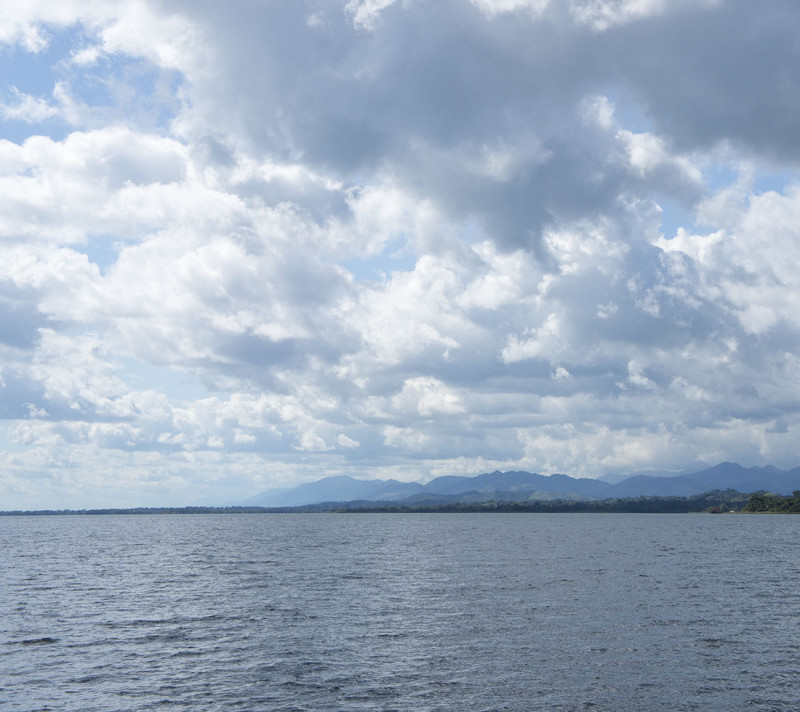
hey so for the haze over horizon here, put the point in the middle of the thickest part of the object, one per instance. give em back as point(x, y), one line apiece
point(253, 244)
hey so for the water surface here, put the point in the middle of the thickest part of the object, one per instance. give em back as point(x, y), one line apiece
point(409, 612)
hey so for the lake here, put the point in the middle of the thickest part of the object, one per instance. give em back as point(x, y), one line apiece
point(407, 612)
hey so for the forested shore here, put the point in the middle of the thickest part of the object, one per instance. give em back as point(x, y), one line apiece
point(768, 503)
point(716, 501)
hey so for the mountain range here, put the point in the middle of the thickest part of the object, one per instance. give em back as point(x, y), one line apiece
point(529, 486)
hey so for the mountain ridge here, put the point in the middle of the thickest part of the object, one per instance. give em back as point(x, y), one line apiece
point(518, 485)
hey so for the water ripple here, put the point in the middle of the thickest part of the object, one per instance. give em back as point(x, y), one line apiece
point(414, 613)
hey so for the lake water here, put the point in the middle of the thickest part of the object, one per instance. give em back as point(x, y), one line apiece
point(400, 612)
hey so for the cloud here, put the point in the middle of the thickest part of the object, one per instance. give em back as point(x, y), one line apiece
point(718, 72)
point(366, 12)
point(749, 265)
point(28, 108)
point(496, 7)
point(393, 239)
point(603, 14)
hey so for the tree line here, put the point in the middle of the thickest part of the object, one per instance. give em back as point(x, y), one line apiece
point(767, 502)
point(715, 501)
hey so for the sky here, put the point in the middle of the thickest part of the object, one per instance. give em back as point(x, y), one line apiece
point(248, 245)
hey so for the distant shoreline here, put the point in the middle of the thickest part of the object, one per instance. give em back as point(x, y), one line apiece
point(714, 502)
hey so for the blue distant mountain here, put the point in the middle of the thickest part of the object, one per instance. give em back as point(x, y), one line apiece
point(337, 489)
point(726, 475)
point(507, 482)
point(521, 486)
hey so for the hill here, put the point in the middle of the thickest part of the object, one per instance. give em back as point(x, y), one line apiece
point(519, 486)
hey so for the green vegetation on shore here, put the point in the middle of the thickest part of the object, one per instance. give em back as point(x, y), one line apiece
point(714, 501)
point(768, 503)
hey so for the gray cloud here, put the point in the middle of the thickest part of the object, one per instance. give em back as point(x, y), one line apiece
point(506, 173)
point(726, 72)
